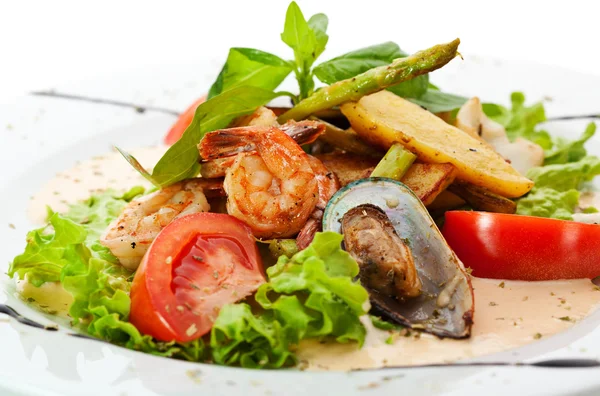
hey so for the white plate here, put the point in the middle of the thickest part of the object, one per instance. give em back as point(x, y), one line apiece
point(41, 136)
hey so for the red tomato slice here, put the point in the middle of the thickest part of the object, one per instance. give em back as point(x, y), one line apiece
point(184, 121)
point(503, 246)
point(197, 264)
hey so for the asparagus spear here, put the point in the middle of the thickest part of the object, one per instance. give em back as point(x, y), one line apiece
point(374, 80)
point(283, 247)
point(395, 163)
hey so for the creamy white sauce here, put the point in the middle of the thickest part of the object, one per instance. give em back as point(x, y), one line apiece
point(589, 199)
point(90, 177)
point(50, 297)
point(505, 317)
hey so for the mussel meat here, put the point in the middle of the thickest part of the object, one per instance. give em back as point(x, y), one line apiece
point(412, 276)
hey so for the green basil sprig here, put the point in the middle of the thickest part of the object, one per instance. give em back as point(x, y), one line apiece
point(181, 161)
point(248, 66)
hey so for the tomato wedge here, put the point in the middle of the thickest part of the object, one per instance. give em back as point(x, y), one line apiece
point(503, 246)
point(184, 120)
point(197, 264)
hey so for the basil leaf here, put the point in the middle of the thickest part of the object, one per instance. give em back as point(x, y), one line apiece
point(414, 88)
point(433, 87)
point(357, 62)
point(308, 40)
point(137, 166)
point(298, 35)
point(181, 160)
point(438, 101)
point(318, 24)
point(248, 66)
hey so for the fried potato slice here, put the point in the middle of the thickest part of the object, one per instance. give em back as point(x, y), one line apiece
point(446, 201)
point(383, 118)
point(348, 167)
point(428, 180)
point(481, 198)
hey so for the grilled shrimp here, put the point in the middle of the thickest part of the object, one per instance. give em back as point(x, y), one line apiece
point(328, 185)
point(303, 132)
point(273, 190)
point(129, 236)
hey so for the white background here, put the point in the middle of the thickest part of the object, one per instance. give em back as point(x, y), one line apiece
point(49, 44)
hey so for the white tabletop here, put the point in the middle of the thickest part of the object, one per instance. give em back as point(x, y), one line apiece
point(49, 44)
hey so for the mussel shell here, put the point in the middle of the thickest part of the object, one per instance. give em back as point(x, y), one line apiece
point(438, 268)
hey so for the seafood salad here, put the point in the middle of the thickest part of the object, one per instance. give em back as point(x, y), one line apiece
point(371, 220)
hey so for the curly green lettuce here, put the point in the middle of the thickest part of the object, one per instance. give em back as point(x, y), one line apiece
point(547, 202)
point(64, 251)
point(97, 212)
point(310, 295)
point(313, 294)
point(556, 194)
point(521, 120)
point(49, 249)
point(101, 307)
point(567, 167)
point(565, 150)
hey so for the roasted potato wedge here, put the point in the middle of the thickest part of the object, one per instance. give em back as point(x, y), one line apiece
point(481, 198)
point(428, 180)
point(348, 167)
point(446, 201)
point(384, 118)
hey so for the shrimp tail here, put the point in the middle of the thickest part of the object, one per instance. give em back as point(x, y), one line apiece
point(303, 132)
point(228, 142)
point(307, 233)
point(232, 141)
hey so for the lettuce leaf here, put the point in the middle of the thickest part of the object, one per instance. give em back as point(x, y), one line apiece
point(566, 164)
point(324, 275)
point(97, 212)
point(566, 150)
point(101, 307)
point(70, 239)
point(49, 249)
point(563, 177)
point(555, 193)
point(547, 202)
point(311, 295)
point(521, 120)
point(239, 337)
point(67, 250)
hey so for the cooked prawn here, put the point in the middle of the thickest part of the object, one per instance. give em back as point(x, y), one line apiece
point(275, 190)
point(328, 185)
point(303, 132)
point(129, 236)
